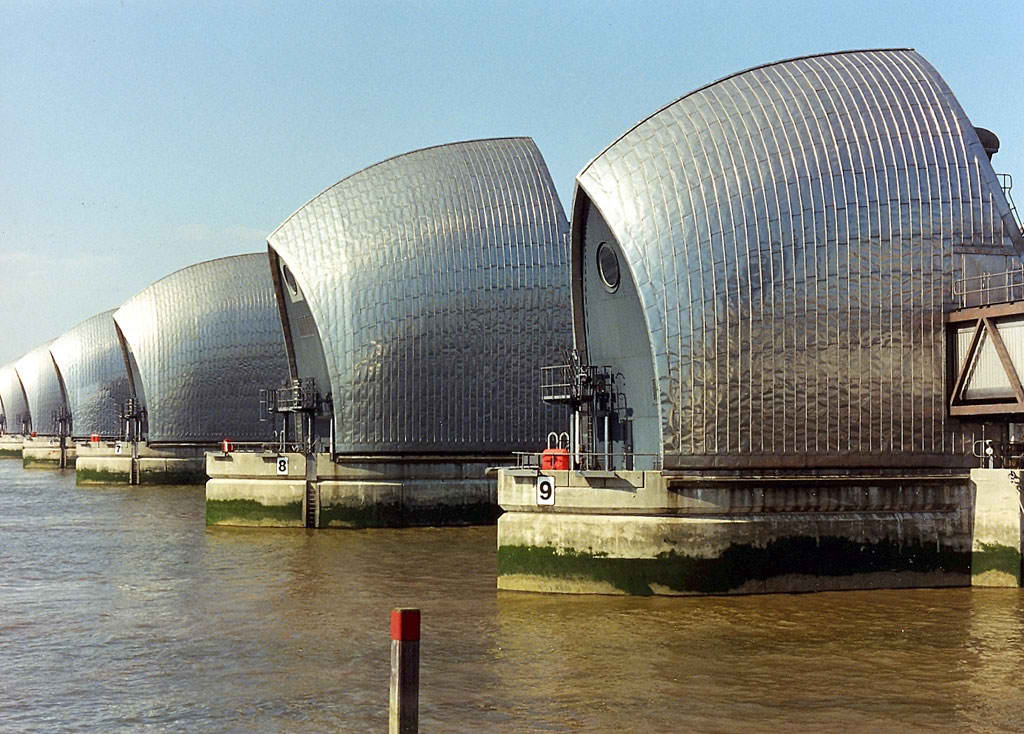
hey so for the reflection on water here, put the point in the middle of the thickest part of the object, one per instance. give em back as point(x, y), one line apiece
point(120, 611)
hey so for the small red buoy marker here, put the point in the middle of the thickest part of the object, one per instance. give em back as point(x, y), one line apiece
point(404, 702)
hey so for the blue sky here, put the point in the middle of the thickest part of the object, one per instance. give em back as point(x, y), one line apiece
point(137, 138)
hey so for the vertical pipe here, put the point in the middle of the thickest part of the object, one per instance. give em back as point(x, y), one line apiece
point(571, 443)
point(404, 698)
point(576, 438)
point(135, 428)
point(607, 446)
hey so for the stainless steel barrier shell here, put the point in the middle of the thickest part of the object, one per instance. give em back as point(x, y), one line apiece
point(206, 339)
point(13, 396)
point(92, 365)
point(43, 391)
point(793, 232)
point(436, 284)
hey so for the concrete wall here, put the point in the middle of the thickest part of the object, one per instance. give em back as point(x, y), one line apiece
point(10, 446)
point(651, 533)
point(43, 452)
point(998, 527)
point(244, 489)
point(104, 464)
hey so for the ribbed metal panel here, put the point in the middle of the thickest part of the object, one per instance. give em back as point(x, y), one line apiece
point(92, 364)
point(438, 282)
point(42, 388)
point(206, 339)
point(13, 397)
point(793, 231)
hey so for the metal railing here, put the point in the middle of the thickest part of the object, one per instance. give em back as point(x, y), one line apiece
point(273, 447)
point(568, 383)
point(591, 461)
point(100, 438)
point(556, 383)
point(296, 396)
point(989, 288)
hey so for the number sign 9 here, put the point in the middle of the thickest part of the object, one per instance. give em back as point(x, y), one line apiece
point(545, 490)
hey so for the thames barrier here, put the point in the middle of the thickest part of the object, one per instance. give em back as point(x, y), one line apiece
point(776, 347)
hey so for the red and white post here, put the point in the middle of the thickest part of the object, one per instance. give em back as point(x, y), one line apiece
point(404, 708)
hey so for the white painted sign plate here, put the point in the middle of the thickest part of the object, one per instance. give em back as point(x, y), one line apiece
point(282, 465)
point(545, 490)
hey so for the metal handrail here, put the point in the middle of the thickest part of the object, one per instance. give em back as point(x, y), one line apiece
point(556, 381)
point(588, 460)
point(989, 288)
point(273, 447)
point(562, 382)
point(100, 438)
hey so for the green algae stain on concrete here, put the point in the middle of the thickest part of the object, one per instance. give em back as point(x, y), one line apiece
point(370, 515)
point(471, 513)
point(1003, 559)
point(32, 463)
point(10, 453)
point(736, 566)
point(251, 512)
point(396, 515)
point(101, 477)
point(176, 477)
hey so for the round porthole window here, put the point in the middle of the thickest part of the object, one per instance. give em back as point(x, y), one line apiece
point(289, 280)
point(608, 266)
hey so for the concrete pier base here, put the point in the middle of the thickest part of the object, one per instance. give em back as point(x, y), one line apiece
point(998, 527)
point(110, 462)
point(655, 533)
point(10, 446)
point(247, 489)
point(358, 492)
point(43, 452)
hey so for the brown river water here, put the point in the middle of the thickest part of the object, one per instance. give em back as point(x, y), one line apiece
point(121, 611)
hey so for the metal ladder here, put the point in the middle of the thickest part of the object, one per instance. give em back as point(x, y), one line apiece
point(1006, 182)
point(312, 493)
